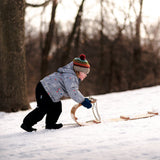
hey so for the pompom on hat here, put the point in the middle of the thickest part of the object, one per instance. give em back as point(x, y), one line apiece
point(81, 64)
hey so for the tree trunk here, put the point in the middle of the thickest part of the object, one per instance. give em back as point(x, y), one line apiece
point(75, 30)
point(13, 91)
point(137, 41)
point(48, 41)
point(137, 62)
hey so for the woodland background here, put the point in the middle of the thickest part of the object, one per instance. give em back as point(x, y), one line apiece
point(124, 54)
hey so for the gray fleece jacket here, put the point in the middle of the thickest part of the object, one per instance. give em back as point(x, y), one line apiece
point(63, 83)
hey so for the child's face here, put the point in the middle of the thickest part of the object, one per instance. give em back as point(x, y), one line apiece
point(82, 76)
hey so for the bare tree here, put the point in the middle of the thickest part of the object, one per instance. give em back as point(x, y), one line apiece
point(75, 32)
point(108, 59)
point(46, 45)
point(13, 91)
point(48, 40)
point(102, 36)
point(137, 39)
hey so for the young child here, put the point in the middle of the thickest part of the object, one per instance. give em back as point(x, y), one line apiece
point(50, 90)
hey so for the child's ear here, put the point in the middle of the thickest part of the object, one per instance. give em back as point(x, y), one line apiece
point(77, 73)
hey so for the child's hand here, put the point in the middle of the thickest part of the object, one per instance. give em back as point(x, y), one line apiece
point(87, 103)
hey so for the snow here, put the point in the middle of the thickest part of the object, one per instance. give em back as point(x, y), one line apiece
point(124, 140)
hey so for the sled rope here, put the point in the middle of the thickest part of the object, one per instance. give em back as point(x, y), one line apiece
point(95, 109)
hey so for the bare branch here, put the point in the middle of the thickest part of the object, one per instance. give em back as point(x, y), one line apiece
point(38, 5)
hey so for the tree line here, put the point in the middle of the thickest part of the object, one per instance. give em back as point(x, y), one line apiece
point(120, 58)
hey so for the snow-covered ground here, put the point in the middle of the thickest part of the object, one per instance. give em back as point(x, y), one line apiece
point(125, 140)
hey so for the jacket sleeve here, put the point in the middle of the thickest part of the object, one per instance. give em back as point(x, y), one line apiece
point(72, 87)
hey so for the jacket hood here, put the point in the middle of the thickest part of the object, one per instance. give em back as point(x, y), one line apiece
point(67, 69)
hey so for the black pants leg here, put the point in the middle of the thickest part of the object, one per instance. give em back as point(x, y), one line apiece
point(44, 106)
point(34, 116)
point(53, 113)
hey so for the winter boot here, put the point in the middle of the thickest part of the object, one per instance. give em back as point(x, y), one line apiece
point(54, 126)
point(27, 128)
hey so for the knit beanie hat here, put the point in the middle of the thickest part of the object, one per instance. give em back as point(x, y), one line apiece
point(81, 64)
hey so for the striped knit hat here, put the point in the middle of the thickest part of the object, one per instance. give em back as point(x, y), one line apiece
point(81, 64)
